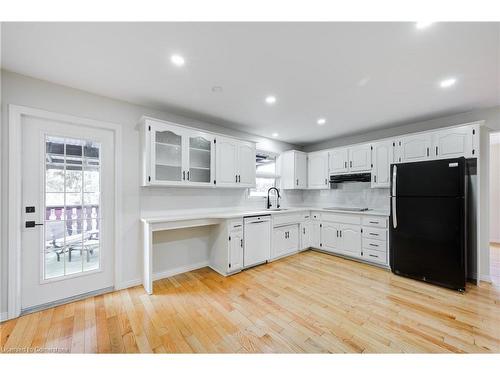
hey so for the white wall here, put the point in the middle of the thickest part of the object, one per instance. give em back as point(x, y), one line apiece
point(22, 90)
point(495, 188)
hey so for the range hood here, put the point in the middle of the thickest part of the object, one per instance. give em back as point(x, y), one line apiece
point(353, 177)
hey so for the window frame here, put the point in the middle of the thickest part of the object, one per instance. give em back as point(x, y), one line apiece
point(251, 192)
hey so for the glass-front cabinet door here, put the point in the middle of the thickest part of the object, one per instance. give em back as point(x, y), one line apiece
point(201, 158)
point(167, 155)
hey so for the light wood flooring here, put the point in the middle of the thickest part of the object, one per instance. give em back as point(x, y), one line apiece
point(495, 263)
point(310, 302)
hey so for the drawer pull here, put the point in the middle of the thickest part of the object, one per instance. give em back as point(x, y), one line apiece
point(374, 256)
point(237, 225)
point(374, 222)
point(373, 234)
point(372, 244)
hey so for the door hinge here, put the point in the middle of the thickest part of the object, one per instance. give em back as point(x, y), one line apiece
point(215, 141)
point(393, 144)
point(229, 265)
point(371, 147)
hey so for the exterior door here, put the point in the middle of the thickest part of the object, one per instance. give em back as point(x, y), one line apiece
point(67, 238)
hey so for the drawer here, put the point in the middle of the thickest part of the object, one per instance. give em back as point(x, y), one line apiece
point(369, 243)
point(282, 219)
point(375, 221)
point(375, 233)
point(316, 216)
point(341, 218)
point(236, 224)
point(374, 256)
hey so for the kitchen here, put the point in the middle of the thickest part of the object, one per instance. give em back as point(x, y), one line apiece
point(207, 197)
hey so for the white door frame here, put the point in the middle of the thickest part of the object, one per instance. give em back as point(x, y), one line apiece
point(14, 194)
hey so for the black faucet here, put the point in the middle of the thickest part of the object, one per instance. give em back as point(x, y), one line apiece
point(277, 199)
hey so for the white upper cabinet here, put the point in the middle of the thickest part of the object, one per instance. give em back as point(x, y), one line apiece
point(414, 148)
point(382, 158)
point(339, 161)
point(452, 143)
point(175, 155)
point(317, 170)
point(178, 156)
point(360, 158)
point(235, 165)
point(293, 170)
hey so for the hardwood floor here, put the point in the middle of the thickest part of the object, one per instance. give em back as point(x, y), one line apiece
point(310, 302)
point(495, 263)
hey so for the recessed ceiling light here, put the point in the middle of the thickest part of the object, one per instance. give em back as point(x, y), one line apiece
point(447, 82)
point(275, 135)
point(423, 25)
point(217, 89)
point(270, 99)
point(177, 60)
point(321, 121)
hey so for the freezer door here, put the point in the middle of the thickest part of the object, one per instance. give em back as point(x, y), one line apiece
point(436, 178)
point(427, 240)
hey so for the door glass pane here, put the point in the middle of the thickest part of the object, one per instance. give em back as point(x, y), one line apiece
point(168, 153)
point(72, 206)
point(199, 159)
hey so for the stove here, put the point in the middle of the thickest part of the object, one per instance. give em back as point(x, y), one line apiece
point(353, 209)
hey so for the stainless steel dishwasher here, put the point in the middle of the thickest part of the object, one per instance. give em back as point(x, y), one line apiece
point(257, 239)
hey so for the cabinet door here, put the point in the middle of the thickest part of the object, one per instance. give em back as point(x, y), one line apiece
point(339, 162)
point(453, 143)
point(236, 250)
point(315, 238)
point(306, 235)
point(330, 239)
point(382, 157)
point(285, 240)
point(201, 159)
point(226, 161)
point(414, 148)
point(246, 165)
point(168, 157)
point(360, 158)
point(318, 170)
point(300, 170)
point(350, 236)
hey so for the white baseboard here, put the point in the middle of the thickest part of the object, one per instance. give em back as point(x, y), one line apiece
point(163, 274)
point(178, 270)
point(3, 316)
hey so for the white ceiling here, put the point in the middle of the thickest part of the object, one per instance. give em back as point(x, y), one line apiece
point(359, 76)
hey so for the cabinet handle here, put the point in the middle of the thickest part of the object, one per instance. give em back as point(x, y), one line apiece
point(436, 150)
point(372, 244)
point(375, 256)
point(427, 151)
point(184, 175)
point(345, 164)
point(241, 242)
point(304, 230)
point(236, 178)
point(239, 178)
point(373, 234)
point(340, 234)
point(375, 178)
point(337, 233)
point(326, 181)
point(374, 222)
point(350, 164)
point(188, 175)
point(297, 182)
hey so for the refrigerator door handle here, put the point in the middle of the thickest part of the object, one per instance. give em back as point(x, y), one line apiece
point(394, 214)
point(394, 178)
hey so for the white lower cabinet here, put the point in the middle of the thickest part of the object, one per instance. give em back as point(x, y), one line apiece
point(285, 240)
point(305, 234)
point(350, 239)
point(236, 249)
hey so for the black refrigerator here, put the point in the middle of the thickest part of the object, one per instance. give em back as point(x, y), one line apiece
point(428, 223)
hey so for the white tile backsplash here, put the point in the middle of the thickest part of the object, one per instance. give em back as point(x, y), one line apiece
point(350, 194)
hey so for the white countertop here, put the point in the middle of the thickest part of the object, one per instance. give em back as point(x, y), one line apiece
point(228, 213)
